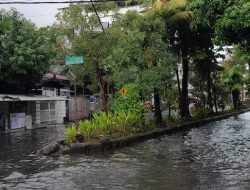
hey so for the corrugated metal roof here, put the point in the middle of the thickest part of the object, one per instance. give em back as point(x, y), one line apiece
point(14, 98)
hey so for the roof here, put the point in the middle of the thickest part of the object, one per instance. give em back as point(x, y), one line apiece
point(55, 83)
point(50, 75)
point(14, 98)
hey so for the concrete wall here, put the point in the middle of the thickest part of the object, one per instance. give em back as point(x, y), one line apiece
point(60, 111)
point(83, 107)
point(79, 101)
point(35, 113)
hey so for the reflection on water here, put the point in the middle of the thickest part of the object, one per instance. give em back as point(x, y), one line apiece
point(215, 156)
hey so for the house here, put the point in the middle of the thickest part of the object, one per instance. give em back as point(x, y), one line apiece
point(30, 111)
point(56, 84)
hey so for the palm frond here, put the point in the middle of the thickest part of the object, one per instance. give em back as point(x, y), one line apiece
point(158, 5)
point(176, 4)
point(168, 9)
point(185, 16)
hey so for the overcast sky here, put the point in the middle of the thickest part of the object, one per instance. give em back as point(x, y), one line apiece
point(41, 14)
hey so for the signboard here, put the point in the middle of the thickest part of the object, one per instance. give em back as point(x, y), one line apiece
point(74, 60)
point(92, 99)
point(123, 91)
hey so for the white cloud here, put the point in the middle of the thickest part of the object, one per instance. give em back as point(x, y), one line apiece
point(40, 14)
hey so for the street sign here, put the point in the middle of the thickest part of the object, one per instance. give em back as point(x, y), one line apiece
point(123, 91)
point(92, 99)
point(74, 60)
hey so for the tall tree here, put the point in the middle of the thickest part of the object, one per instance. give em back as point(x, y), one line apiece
point(84, 36)
point(26, 53)
point(178, 21)
point(144, 52)
point(233, 26)
point(222, 23)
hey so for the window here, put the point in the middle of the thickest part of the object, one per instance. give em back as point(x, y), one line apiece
point(48, 112)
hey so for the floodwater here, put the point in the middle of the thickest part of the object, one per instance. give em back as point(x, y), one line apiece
point(214, 156)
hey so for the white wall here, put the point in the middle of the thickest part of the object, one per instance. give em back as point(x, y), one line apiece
point(51, 92)
point(109, 18)
point(60, 111)
point(35, 113)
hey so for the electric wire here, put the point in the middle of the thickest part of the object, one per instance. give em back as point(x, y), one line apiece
point(57, 2)
point(100, 22)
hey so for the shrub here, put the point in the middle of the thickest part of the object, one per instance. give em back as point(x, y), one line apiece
point(70, 133)
point(121, 123)
point(86, 129)
point(199, 112)
point(129, 102)
point(103, 123)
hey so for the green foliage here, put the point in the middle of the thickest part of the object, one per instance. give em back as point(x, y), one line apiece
point(121, 55)
point(233, 78)
point(220, 22)
point(103, 123)
point(199, 112)
point(150, 122)
point(119, 124)
point(170, 121)
point(129, 102)
point(85, 128)
point(78, 25)
point(233, 26)
point(143, 57)
point(177, 29)
point(70, 133)
point(226, 22)
point(26, 53)
point(170, 95)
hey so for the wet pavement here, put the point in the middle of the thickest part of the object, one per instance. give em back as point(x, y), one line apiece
point(213, 156)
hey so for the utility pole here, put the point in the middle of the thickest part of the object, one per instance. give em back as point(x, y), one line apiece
point(75, 97)
point(74, 77)
point(72, 61)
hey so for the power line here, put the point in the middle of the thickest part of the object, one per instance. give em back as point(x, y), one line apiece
point(57, 2)
point(100, 22)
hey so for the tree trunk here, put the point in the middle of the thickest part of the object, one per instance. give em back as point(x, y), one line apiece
point(158, 114)
point(203, 96)
point(102, 91)
point(236, 98)
point(209, 95)
point(169, 110)
point(184, 110)
point(215, 100)
point(179, 85)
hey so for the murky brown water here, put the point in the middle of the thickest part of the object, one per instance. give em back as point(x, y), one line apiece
point(215, 156)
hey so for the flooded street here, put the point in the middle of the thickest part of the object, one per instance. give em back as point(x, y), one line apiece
point(214, 156)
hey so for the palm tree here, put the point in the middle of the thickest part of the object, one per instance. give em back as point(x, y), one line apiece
point(178, 21)
point(233, 78)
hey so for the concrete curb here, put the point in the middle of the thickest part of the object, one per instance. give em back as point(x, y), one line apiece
point(109, 145)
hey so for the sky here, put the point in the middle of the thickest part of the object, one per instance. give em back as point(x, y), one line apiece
point(44, 14)
point(41, 14)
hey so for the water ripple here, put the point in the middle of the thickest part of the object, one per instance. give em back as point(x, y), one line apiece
point(214, 156)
